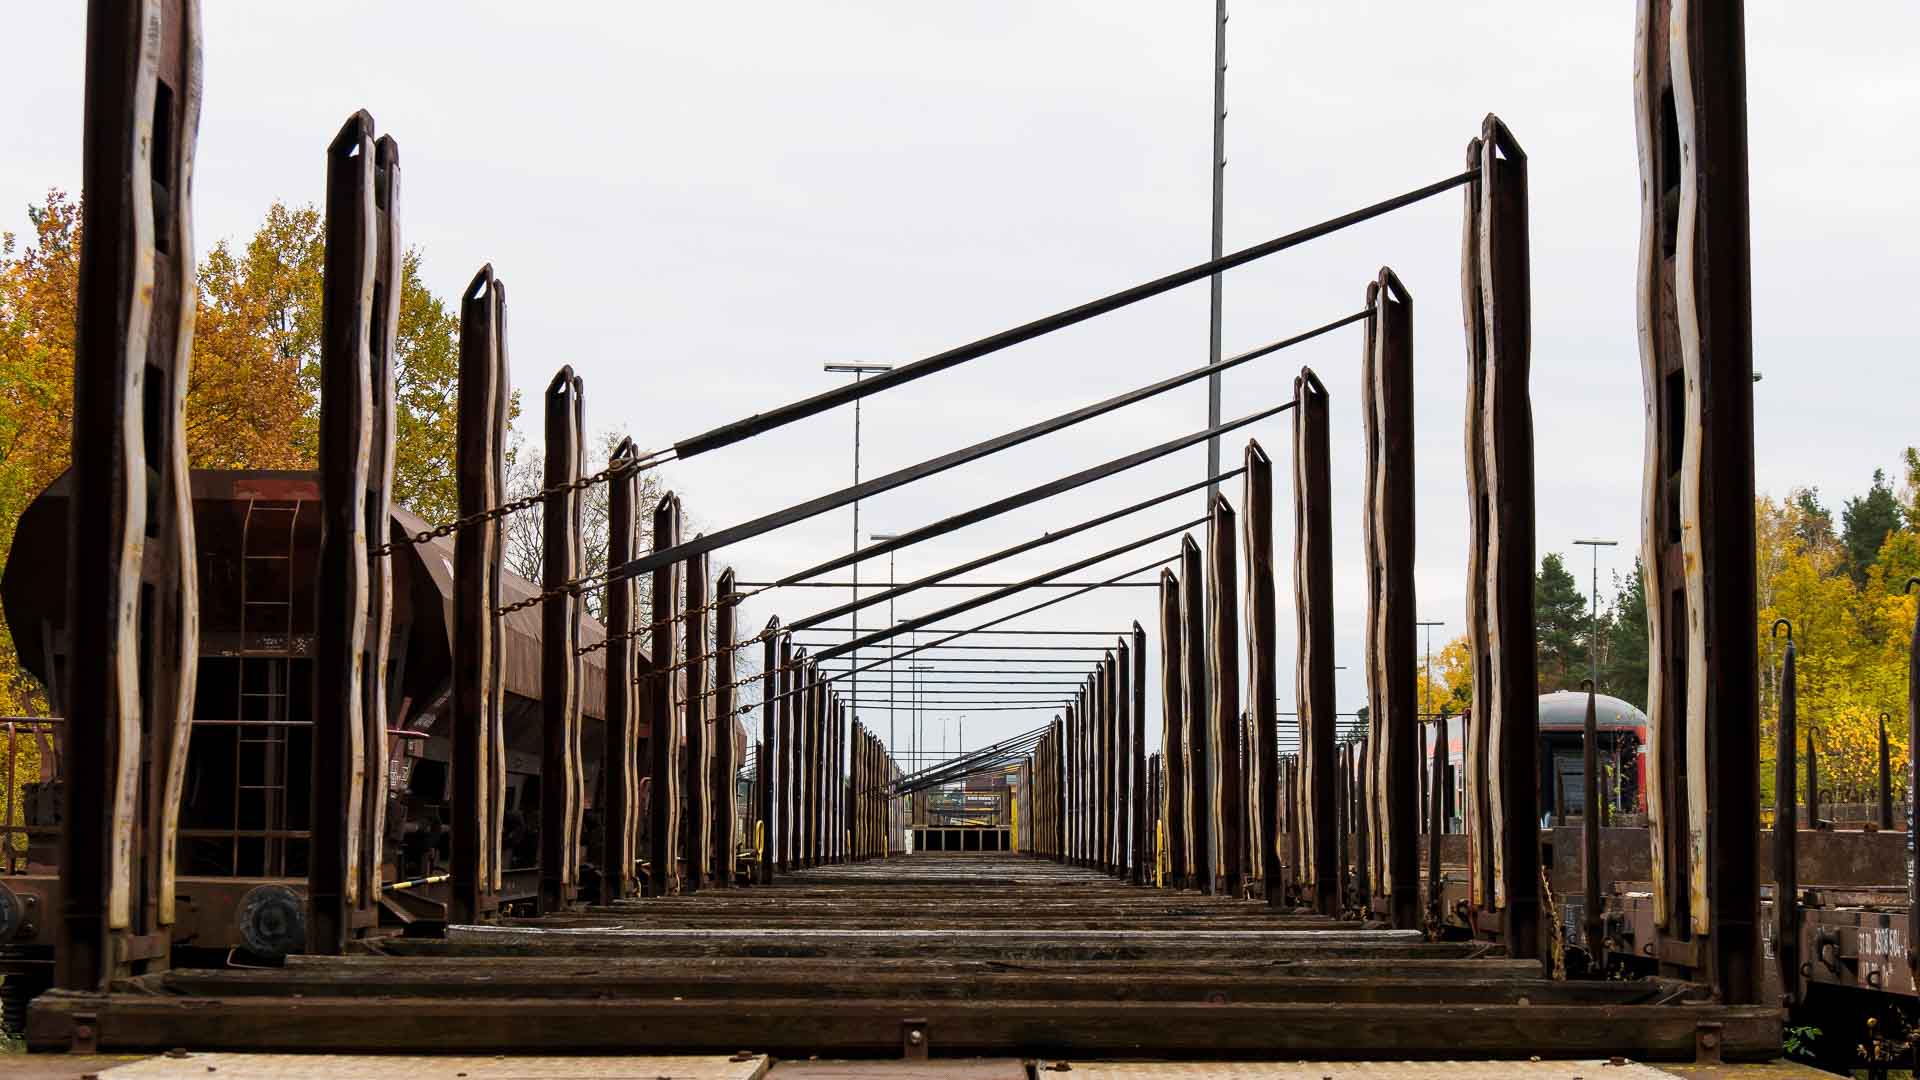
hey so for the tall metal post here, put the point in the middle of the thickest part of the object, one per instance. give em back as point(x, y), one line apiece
point(1263, 676)
point(1592, 917)
point(1219, 171)
point(1176, 813)
point(772, 707)
point(698, 709)
point(1393, 779)
point(1503, 755)
point(132, 592)
point(1696, 344)
point(1201, 753)
point(1123, 753)
point(382, 327)
point(663, 717)
point(559, 693)
point(1786, 826)
point(353, 475)
point(1109, 789)
point(1228, 805)
point(1321, 858)
point(478, 638)
point(619, 752)
point(1142, 829)
point(724, 766)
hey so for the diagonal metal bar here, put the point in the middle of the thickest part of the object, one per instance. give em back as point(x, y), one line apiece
point(894, 592)
point(1061, 599)
point(1031, 495)
point(908, 625)
point(934, 466)
point(728, 434)
point(940, 584)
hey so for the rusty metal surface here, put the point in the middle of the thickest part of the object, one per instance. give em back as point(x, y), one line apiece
point(1599, 1069)
point(381, 1067)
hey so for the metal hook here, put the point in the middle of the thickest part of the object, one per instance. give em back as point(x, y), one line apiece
point(1587, 685)
point(1778, 623)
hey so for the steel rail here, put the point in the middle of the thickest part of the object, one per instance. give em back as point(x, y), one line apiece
point(914, 624)
point(894, 592)
point(759, 423)
point(933, 466)
point(1025, 498)
point(1062, 598)
point(764, 585)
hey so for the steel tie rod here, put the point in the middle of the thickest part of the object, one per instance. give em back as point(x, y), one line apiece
point(933, 466)
point(894, 592)
point(1031, 495)
point(1061, 599)
point(907, 625)
point(728, 434)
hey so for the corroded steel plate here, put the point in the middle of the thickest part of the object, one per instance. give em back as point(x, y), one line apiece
point(404, 1067)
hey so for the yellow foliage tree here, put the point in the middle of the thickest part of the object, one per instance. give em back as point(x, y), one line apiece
point(1851, 641)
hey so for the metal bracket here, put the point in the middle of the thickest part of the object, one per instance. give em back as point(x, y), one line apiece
point(914, 1041)
point(1706, 1043)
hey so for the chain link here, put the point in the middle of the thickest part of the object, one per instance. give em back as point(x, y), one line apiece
point(525, 502)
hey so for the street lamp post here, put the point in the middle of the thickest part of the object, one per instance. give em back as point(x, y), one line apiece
point(892, 649)
point(858, 371)
point(1593, 638)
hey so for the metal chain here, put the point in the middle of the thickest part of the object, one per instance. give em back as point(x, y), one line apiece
point(525, 502)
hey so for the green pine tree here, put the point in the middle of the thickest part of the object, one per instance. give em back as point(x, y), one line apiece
point(1865, 523)
point(1623, 671)
point(1561, 626)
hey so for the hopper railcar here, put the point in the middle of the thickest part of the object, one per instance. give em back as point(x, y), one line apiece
point(245, 823)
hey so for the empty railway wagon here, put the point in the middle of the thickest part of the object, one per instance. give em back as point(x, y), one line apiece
point(245, 819)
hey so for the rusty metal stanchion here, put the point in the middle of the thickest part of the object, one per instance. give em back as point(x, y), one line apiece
point(1143, 805)
point(132, 593)
point(1263, 677)
point(662, 714)
point(1505, 749)
point(1321, 859)
point(725, 765)
point(787, 779)
point(699, 733)
point(619, 755)
point(478, 637)
point(354, 592)
point(1437, 819)
point(1813, 782)
point(1228, 802)
point(1694, 287)
point(1593, 919)
point(559, 694)
point(1125, 747)
point(766, 795)
point(1786, 826)
point(382, 329)
point(1108, 790)
point(1394, 773)
point(1177, 803)
point(1885, 787)
point(1201, 780)
point(1063, 823)
point(1913, 784)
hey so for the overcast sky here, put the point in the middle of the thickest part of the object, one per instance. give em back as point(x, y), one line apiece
point(697, 205)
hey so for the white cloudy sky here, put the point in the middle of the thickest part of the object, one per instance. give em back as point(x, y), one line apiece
point(697, 205)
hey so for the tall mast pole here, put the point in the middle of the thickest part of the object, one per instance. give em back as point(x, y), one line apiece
point(1219, 210)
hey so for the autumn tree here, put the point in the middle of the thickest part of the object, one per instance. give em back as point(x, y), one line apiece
point(1450, 691)
point(252, 390)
